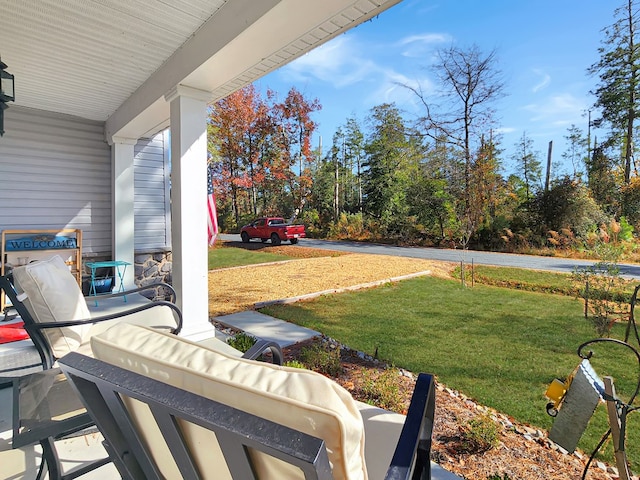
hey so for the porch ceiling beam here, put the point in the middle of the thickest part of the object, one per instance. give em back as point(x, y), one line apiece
point(243, 41)
point(225, 25)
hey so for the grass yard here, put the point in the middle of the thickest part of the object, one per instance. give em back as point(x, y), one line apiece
point(224, 257)
point(533, 280)
point(499, 346)
point(235, 254)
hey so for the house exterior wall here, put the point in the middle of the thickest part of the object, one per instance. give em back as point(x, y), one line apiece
point(151, 185)
point(55, 172)
point(153, 260)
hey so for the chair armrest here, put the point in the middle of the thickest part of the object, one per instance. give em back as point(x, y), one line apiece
point(260, 346)
point(112, 316)
point(151, 286)
point(411, 459)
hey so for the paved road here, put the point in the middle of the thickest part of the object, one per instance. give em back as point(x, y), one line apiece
point(565, 265)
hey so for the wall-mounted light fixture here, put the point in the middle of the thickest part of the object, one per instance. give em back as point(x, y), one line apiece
point(7, 92)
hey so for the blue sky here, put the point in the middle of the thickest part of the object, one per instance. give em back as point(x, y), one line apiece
point(543, 50)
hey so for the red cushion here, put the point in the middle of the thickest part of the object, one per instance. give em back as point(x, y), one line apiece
point(13, 332)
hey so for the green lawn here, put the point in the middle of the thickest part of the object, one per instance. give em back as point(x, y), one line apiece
point(497, 345)
point(533, 280)
point(224, 257)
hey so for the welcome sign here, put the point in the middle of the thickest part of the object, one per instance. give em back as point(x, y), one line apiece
point(41, 242)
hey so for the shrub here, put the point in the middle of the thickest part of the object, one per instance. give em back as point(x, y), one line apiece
point(314, 226)
point(349, 227)
point(566, 205)
point(600, 285)
point(294, 364)
point(242, 341)
point(479, 434)
point(322, 359)
point(630, 203)
point(382, 390)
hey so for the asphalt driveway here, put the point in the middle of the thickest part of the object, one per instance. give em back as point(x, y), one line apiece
point(565, 265)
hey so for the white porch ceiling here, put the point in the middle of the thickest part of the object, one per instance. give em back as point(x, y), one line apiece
point(114, 60)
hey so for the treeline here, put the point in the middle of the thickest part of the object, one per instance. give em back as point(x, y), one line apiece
point(438, 180)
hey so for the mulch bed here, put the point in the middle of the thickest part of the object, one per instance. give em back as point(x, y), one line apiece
point(523, 453)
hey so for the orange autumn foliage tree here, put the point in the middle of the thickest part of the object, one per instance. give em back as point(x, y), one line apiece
point(254, 145)
point(294, 117)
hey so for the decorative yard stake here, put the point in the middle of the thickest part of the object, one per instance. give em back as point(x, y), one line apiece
point(574, 401)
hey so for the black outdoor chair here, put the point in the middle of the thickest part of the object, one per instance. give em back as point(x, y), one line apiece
point(104, 388)
point(44, 311)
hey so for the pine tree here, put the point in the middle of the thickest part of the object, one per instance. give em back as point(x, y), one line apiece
point(391, 158)
point(529, 164)
point(617, 93)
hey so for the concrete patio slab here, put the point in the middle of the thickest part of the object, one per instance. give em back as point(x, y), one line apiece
point(268, 328)
point(73, 452)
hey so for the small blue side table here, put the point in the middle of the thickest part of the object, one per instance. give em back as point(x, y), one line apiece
point(116, 264)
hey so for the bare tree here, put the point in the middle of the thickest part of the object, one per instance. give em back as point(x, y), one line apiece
point(470, 82)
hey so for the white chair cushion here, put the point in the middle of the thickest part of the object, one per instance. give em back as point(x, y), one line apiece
point(159, 316)
point(297, 398)
point(53, 295)
point(382, 430)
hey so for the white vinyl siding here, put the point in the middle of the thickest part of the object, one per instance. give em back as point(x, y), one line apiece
point(55, 172)
point(151, 205)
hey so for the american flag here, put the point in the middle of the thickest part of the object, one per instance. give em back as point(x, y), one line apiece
point(212, 217)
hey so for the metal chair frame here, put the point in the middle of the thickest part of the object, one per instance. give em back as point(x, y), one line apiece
point(102, 386)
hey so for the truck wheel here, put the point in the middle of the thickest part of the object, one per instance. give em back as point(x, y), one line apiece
point(245, 237)
point(275, 239)
point(294, 241)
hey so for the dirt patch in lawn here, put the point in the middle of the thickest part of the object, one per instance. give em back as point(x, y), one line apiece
point(238, 289)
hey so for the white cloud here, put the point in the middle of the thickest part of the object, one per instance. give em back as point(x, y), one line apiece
point(505, 130)
point(338, 62)
point(544, 81)
point(425, 38)
point(417, 46)
point(559, 109)
point(391, 89)
point(345, 62)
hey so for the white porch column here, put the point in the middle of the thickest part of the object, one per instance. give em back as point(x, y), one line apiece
point(189, 208)
point(122, 207)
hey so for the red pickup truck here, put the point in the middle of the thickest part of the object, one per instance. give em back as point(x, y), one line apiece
point(275, 229)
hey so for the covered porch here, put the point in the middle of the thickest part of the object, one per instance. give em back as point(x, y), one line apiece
point(101, 84)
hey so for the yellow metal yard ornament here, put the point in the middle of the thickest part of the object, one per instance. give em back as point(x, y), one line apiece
point(573, 402)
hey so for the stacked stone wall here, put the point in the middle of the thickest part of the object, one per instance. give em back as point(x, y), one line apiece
point(152, 268)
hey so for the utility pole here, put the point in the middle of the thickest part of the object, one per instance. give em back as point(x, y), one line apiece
point(589, 137)
point(336, 191)
point(548, 180)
